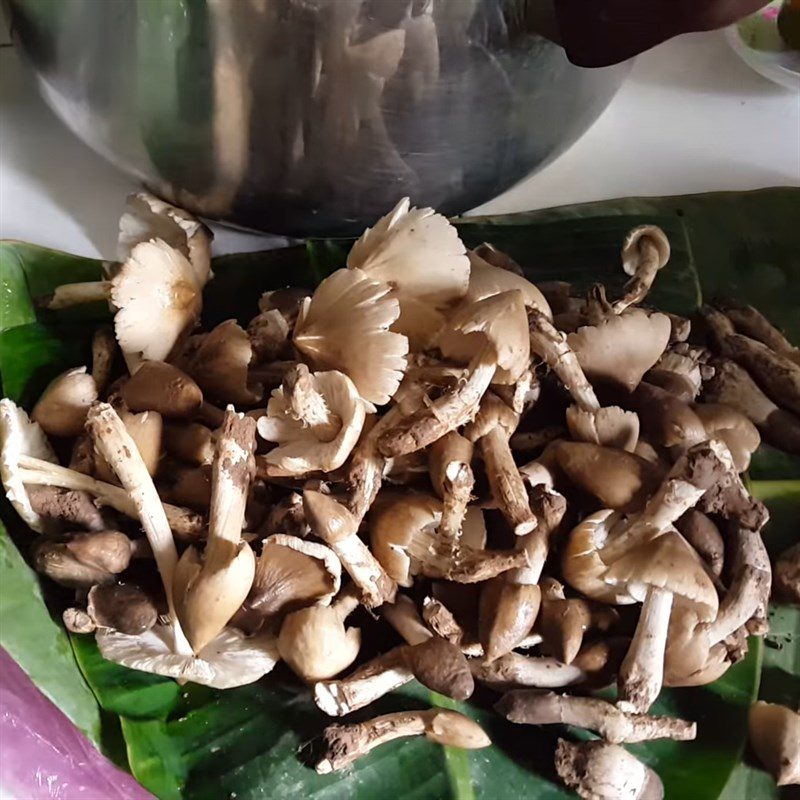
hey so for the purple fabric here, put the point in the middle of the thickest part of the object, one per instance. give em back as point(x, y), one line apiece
point(44, 756)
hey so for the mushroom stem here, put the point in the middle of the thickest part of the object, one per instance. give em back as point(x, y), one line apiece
point(551, 346)
point(76, 294)
point(645, 252)
point(448, 412)
point(642, 671)
point(307, 404)
point(515, 669)
point(36, 471)
point(346, 743)
point(547, 708)
point(114, 443)
point(403, 616)
point(452, 475)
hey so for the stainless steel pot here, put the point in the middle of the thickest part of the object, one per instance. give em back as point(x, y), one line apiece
point(311, 116)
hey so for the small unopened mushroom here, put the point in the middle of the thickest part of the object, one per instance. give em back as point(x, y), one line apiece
point(435, 663)
point(666, 420)
point(645, 251)
point(506, 615)
point(160, 387)
point(492, 429)
point(187, 486)
point(84, 559)
point(775, 736)
point(121, 607)
point(704, 536)
point(146, 431)
point(419, 254)
point(601, 771)
point(314, 641)
point(62, 408)
point(316, 419)
point(490, 337)
point(290, 573)
point(344, 744)
point(190, 442)
point(209, 588)
point(345, 325)
point(786, 574)
point(338, 528)
point(562, 622)
point(529, 707)
point(76, 620)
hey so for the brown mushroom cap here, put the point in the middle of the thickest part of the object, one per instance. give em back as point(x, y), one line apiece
point(731, 426)
point(157, 386)
point(62, 408)
point(122, 607)
point(145, 429)
point(775, 736)
point(441, 666)
point(506, 615)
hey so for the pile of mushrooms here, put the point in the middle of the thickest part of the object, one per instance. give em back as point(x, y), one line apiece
point(527, 489)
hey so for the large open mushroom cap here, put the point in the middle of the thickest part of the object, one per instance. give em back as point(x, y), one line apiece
point(486, 280)
point(345, 325)
point(231, 659)
point(62, 408)
point(219, 363)
point(21, 437)
point(620, 349)
point(146, 218)
point(419, 254)
point(666, 562)
point(611, 426)
point(498, 320)
point(158, 297)
point(320, 439)
point(393, 523)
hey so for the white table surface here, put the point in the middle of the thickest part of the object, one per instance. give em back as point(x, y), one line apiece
point(690, 118)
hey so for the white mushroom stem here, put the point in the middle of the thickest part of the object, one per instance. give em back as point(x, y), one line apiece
point(456, 494)
point(515, 669)
point(529, 707)
point(346, 743)
point(551, 346)
point(549, 507)
point(645, 251)
point(448, 412)
point(75, 294)
point(115, 444)
point(38, 472)
point(641, 674)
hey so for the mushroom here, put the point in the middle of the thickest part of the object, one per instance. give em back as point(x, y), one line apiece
point(145, 429)
point(121, 607)
point(562, 622)
point(775, 736)
point(704, 536)
point(654, 573)
point(290, 574)
point(62, 408)
point(601, 771)
point(345, 325)
point(76, 620)
point(435, 663)
point(188, 486)
point(754, 324)
point(219, 361)
point(731, 385)
point(103, 346)
point(644, 252)
point(490, 336)
point(787, 574)
point(209, 588)
point(161, 387)
point(492, 429)
point(190, 442)
point(230, 659)
point(506, 615)
point(287, 302)
point(269, 334)
point(611, 426)
point(486, 279)
point(530, 707)
point(65, 509)
point(419, 254)
point(314, 642)
point(666, 420)
point(491, 255)
point(84, 559)
point(344, 744)
point(515, 669)
point(740, 436)
point(316, 418)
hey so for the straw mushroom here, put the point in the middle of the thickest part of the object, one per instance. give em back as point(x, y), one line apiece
point(666, 420)
point(644, 252)
point(121, 607)
point(601, 771)
point(703, 535)
point(146, 430)
point(486, 279)
point(209, 588)
point(740, 436)
point(62, 408)
point(189, 442)
point(419, 254)
point(506, 615)
point(161, 387)
point(316, 419)
point(66, 509)
point(562, 622)
point(775, 736)
point(345, 325)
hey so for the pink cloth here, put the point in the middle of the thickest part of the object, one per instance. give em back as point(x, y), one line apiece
point(43, 756)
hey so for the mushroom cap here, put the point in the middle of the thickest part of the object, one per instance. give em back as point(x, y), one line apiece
point(161, 387)
point(121, 607)
point(666, 562)
point(393, 523)
point(147, 217)
point(345, 325)
point(158, 296)
point(315, 644)
point(220, 362)
point(506, 615)
point(609, 426)
point(731, 426)
point(621, 348)
point(419, 254)
point(493, 413)
point(21, 437)
point(775, 736)
point(304, 447)
point(291, 573)
point(231, 659)
point(327, 517)
point(688, 656)
point(146, 430)
point(486, 280)
point(456, 730)
point(441, 667)
point(499, 320)
point(62, 408)
point(633, 242)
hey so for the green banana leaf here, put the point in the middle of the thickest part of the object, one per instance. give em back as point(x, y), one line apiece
point(192, 742)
